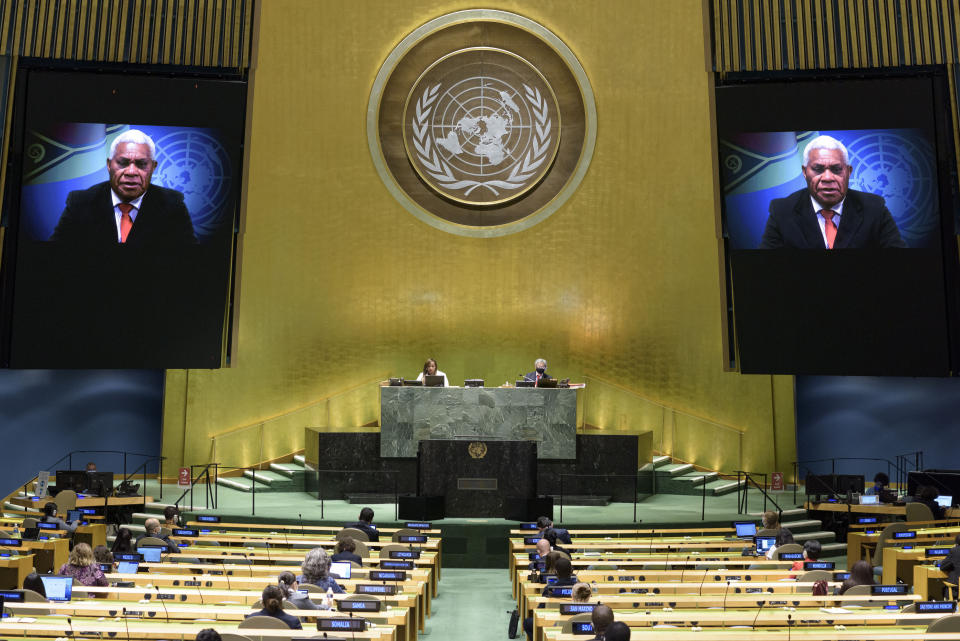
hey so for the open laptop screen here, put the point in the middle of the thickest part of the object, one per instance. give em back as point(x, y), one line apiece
point(341, 569)
point(764, 543)
point(58, 588)
point(745, 529)
point(945, 501)
point(151, 553)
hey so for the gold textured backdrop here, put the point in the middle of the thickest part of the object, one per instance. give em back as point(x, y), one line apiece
point(339, 285)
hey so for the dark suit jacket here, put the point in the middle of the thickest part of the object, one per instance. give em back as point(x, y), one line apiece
point(371, 533)
point(88, 219)
point(532, 376)
point(865, 223)
point(951, 565)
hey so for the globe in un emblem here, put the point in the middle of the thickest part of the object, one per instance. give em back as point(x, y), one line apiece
point(197, 165)
point(481, 126)
point(897, 165)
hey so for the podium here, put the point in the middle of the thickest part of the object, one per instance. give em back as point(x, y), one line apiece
point(476, 476)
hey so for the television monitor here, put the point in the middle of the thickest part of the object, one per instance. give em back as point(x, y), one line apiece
point(340, 569)
point(871, 152)
point(745, 529)
point(57, 588)
point(151, 553)
point(74, 264)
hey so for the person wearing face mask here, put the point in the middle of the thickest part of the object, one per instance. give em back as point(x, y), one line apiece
point(539, 372)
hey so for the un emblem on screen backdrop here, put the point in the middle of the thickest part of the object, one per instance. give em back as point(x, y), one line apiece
point(471, 135)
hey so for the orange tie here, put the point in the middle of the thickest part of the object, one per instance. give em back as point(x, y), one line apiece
point(126, 222)
point(829, 227)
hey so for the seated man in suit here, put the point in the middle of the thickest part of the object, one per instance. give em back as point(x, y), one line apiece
point(565, 576)
point(365, 525)
point(951, 564)
point(828, 215)
point(152, 529)
point(545, 525)
point(126, 209)
point(539, 371)
point(602, 619)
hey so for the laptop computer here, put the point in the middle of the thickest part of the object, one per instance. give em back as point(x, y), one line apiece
point(945, 501)
point(151, 553)
point(433, 380)
point(128, 567)
point(764, 543)
point(869, 499)
point(745, 529)
point(58, 588)
point(547, 382)
point(340, 569)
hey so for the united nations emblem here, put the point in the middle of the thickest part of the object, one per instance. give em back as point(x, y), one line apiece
point(470, 134)
point(477, 449)
point(481, 126)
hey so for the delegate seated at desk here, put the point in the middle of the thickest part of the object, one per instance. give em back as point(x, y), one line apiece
point(430, 369)
point(50, 516)
point(539, 371)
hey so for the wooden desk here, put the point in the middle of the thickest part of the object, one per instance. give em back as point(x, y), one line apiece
point(48, 555)
point(90, 501)
point(928, 581)
point(793, 633)
point(14, 569)
point(93, 535)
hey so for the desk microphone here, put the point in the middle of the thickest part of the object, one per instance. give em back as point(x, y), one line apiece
point(126, 623)
point(725, 590)
point(789, 625)
point(165, 613)
point(249, 564)
point(200, 593)
point(759, 610)
point(70, 623)
point(226, 574)
point(666, 562)
point(684, 568)
point(301, 529)
point(700, 589)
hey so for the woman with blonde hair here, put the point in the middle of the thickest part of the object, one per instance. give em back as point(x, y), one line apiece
point(83, 567)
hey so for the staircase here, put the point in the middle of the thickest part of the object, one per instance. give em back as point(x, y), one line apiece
point(682, 478)
point(281, 477)
point(804, 529)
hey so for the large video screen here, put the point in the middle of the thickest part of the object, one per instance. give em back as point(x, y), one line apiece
point(122, 201)
point(837, 222)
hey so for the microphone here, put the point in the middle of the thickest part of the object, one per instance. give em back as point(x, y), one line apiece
point(165, 613)
point(666, 562)
point(725, 590)
point(126, 623)
point(249, 564)
point(700, 589)
point(70, 623)
point(684, 568)
point(759, 610)
point(225, 574)
point(301, 524)
point(200, 593)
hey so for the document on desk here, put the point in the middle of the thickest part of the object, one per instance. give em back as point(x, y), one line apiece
point(835, 610)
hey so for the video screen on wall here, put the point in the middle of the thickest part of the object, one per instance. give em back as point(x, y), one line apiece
point(122, 200)
point(838, 222)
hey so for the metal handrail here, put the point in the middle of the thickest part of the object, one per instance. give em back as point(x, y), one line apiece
point(901, 470)
point(69, 457)
point(747, 478)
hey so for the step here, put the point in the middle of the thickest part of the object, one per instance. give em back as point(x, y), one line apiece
point(660, 461)
point(289, 470)
point(723, 486)
point(821, 535)
point(271, 480)
point(583, 499)
point(300, 459)
point(674, 469)
point(241, 485)
point(697, 478)
point(833, 550)
point(805, 525)
point(369, 498)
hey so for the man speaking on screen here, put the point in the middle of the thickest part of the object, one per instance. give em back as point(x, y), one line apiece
point(126, 209)
point(827, 214)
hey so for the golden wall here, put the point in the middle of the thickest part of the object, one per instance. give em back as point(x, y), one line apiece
point(339, 285)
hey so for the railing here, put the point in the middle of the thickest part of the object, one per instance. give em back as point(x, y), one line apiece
point(285, 430)
point(898, 472)
point(203, 475)
point(744, 480)
point(634, 479)
point(148, 458)
point(392, 474)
